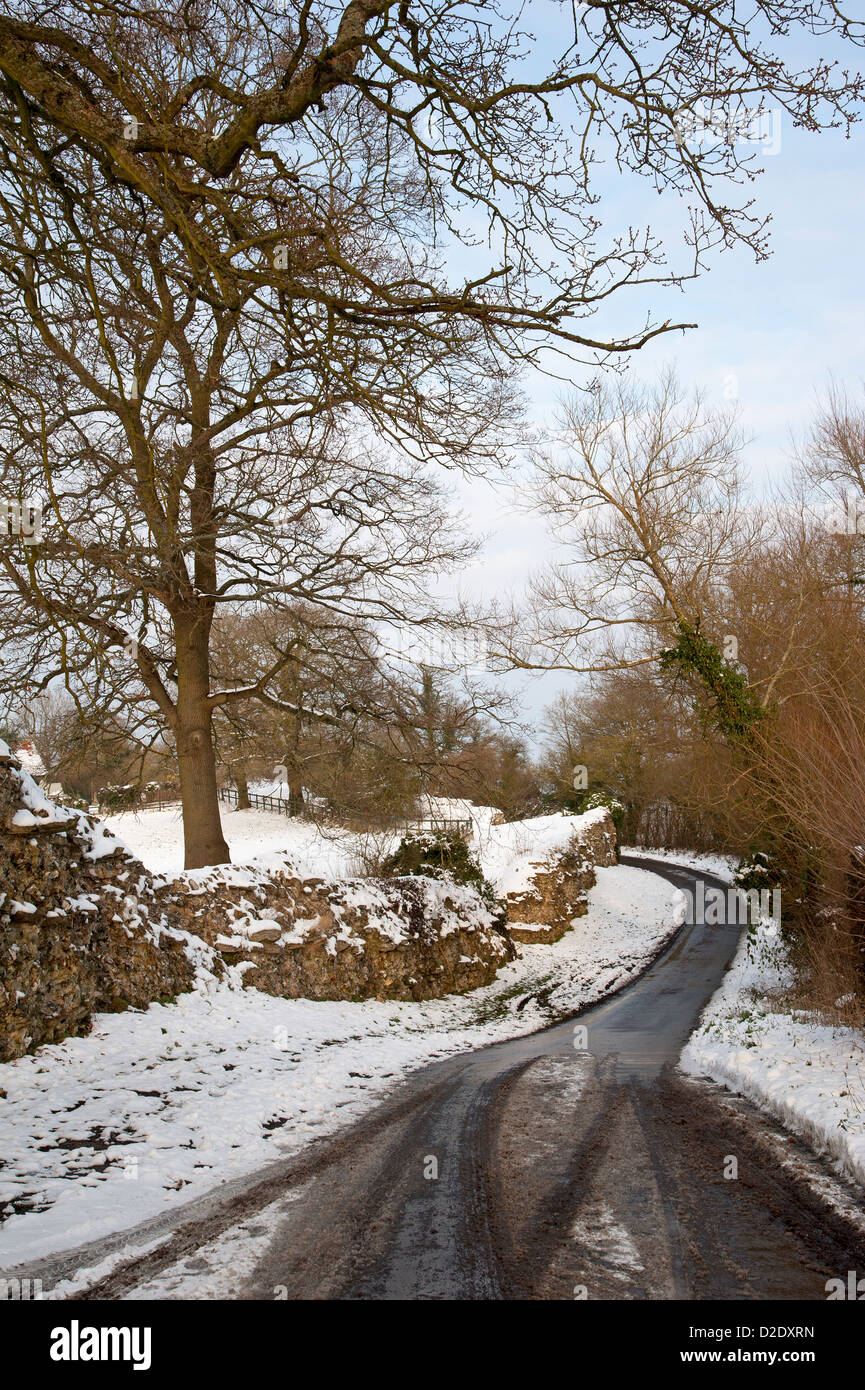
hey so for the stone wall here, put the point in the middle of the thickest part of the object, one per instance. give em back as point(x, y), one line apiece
point(84, 927)
point(556, 895)
point(400, 938)
point(80, 927)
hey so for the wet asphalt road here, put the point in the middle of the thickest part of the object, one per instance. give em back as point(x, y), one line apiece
point(573, 1163)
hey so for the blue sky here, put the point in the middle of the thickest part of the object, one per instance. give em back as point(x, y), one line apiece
point(782, 328)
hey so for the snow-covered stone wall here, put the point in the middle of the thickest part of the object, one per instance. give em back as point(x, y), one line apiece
point(80, 927)
point(311, 938)
point(544, 867)
point(85, 927)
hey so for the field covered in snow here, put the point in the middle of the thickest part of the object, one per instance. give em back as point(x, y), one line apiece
point(158, 1106)
point(505, 852)
point(156, 837)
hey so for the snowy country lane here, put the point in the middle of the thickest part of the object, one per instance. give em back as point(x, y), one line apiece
point(553, 1166)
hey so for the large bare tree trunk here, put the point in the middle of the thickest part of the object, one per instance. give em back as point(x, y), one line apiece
point(196, 756)
point(241, 782)
point(295, 792)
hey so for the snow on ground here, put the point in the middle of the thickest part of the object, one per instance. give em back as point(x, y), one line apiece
point(156, 837)
point(29, 759)
point(158, 1106)
point(428, 809)
point(506, 852)
point(444, 808)
point(721, 865)
point(509, 853)
point(807, 1074)
point(213, 1271)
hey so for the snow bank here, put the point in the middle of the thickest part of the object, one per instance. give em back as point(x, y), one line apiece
point(444, 808)
point(510, 854)
point(807, 1074)
point(723, 866)
point(506, 853)
point(29, 759)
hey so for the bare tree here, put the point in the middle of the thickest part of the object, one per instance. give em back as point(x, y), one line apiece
point(52, 724)
point(215, 477)
point(202, 106)
point(330, 689)
point(830, 474)
point(349, 706)
point(221, 278)
point(642, 489)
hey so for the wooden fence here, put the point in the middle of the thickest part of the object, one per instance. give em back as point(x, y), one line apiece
point(360, 821)
point(278, 804)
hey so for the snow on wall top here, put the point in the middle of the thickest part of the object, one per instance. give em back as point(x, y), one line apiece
point(510, 854)
point(29, 760)
point(457, 808)
point(37, 807)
